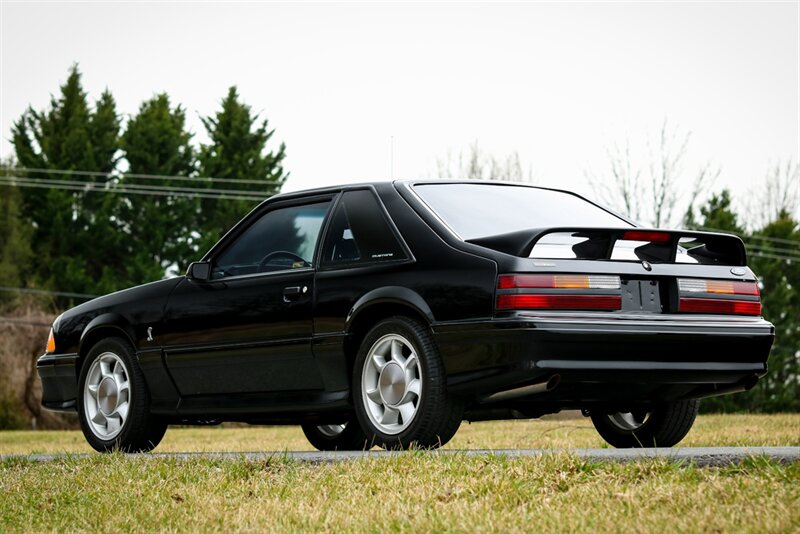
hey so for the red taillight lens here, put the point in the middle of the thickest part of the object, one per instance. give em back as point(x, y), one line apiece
point(718, 296)
point(638, 235)
point(740, 307)
point(558, 292)
point(559, 302)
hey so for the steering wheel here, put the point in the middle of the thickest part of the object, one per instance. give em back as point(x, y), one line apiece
point(284, 254)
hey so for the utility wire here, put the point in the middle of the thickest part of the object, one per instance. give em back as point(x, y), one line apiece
point(757, 236)
point(46, 292)
point(14, 320)
point(112, 185)
point(114, 174)
point(126, 190)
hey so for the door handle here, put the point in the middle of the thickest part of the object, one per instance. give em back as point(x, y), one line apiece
point(293, 292)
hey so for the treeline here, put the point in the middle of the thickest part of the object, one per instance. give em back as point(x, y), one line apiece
point(774, 255)
point(93, 202)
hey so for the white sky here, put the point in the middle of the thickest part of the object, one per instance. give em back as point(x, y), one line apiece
point(556, 82)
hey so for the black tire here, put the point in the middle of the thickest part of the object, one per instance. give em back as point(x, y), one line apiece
point(664, 426)
point(139, 431)
point(438, 414)
point(328, 438)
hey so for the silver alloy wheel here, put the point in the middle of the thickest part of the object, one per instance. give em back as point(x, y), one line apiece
point(107, 396)
point(391, 384)
point(629, 421)
point(331, 431)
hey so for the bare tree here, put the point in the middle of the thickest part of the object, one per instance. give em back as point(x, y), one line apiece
point(652, 196)
point(780, 194)
point(475, 164)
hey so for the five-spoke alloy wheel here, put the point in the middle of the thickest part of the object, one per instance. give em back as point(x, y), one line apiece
point(392, 381)
point(400, 394)
point(107, 395)
point(114, 403)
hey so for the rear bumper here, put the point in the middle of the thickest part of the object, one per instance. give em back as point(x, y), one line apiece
point(606, 357)
point(59, 381)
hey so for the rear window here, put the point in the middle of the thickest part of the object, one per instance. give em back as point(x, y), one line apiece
point(482, 210)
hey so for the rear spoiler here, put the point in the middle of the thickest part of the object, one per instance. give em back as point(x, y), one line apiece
point(661, 245)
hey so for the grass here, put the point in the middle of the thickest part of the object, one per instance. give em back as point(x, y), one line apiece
point(411, 492)
point(709, 430)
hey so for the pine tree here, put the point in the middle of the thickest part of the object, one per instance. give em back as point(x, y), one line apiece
point(15, 239)
point(158, 228)
point(72, 228)
point(238, 150)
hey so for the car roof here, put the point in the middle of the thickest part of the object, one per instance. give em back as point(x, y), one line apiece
point(410, 182)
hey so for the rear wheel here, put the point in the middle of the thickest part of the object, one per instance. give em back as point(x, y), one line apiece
point(114, 404)
point(663, 426)
point(347, 436)
point(400, 393)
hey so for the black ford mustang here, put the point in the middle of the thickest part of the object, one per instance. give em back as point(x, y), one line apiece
point(387, 313)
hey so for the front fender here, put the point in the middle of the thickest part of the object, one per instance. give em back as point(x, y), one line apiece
point(106, 322)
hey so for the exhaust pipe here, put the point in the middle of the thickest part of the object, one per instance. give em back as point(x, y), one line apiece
point(746, 384)
point(541, 387)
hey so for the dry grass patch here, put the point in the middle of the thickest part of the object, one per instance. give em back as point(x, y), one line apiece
point(411, 492)
point(710, 430)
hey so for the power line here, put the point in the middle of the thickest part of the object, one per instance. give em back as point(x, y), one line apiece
point(46, 292)
point(134, 175)
point(14, 320)
point(757, 236)
point(124, 190)
point(134, 186)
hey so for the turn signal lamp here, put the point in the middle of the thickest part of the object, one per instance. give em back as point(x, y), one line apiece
point(51, 342)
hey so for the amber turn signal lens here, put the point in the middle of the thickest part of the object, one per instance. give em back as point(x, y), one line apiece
point(51, 342)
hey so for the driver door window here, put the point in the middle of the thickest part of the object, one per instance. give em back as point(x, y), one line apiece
point(282, 239)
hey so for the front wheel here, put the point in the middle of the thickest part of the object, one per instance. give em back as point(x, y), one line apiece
point(400, 392)
point(662, 426)
point(113, 403)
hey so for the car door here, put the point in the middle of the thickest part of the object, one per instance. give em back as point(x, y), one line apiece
point(248, 329)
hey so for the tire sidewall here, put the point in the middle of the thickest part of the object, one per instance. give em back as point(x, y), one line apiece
point(139, 395)
point(406, 436)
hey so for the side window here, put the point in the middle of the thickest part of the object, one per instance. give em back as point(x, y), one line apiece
point(284, 238)
point(359, 233)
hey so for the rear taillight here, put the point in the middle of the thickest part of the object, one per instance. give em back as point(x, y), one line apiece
point(718, 296)
point(558, 292)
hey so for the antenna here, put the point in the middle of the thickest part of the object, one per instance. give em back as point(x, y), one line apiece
point(391, 157)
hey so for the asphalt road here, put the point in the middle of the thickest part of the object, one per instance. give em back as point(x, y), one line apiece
point(703, 456)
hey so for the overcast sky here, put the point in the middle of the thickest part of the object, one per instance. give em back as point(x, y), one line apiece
point(556, 82)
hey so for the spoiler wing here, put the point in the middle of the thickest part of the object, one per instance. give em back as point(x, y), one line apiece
point(661, 245)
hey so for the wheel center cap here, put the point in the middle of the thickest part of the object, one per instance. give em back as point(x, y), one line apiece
point(107, 395)
point(392, 383)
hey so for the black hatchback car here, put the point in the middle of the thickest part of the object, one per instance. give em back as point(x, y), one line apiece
point(387, 313)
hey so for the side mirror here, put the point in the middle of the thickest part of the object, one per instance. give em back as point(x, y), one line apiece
point(199, 271)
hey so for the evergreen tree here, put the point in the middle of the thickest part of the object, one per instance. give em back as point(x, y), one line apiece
point(158, 228)
point(72, 228)
point(780, 295)
point(238, 150)
point(15, 239)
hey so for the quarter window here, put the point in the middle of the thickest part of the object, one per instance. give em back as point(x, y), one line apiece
point(283, 238)
point(359, 233)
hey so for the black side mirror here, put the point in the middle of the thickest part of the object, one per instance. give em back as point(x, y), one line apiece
point(199, 271)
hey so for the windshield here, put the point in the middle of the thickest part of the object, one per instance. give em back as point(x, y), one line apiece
point(482, 210)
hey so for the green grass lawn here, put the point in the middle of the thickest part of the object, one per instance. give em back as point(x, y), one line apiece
point(709, 430)
point(415, 491)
